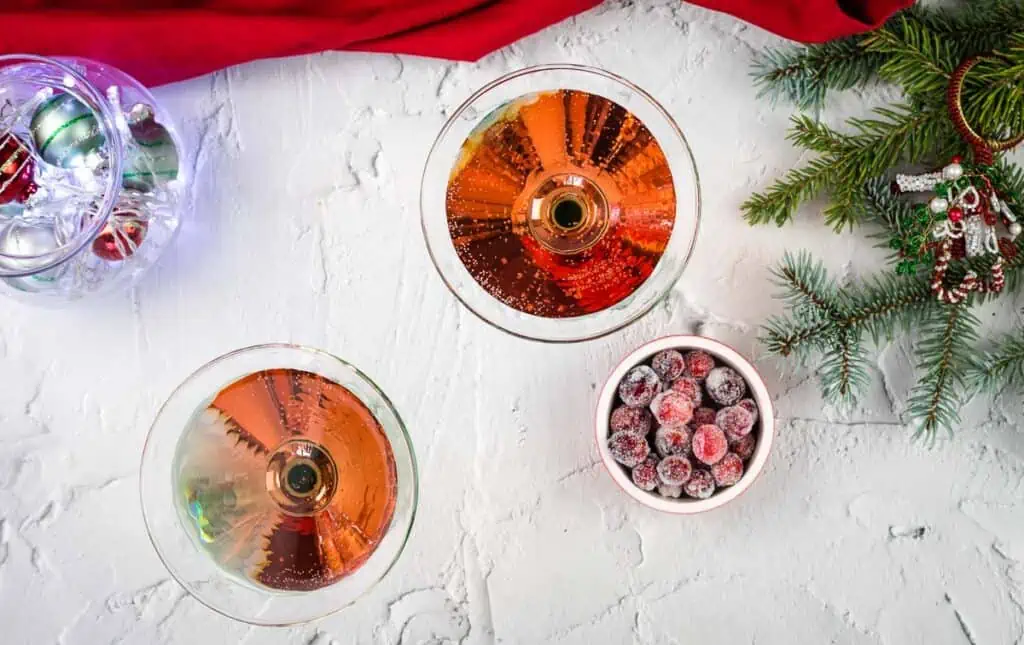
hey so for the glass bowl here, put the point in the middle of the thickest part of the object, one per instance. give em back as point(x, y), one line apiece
point(91, 180)
point(560, 203)
point(278, 484)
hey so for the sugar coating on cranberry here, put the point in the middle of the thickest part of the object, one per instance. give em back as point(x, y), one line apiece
point(709, 444)
point(699, 364)
point(690, 388)
point(725, 386)
point(628, 448)
point(703, 417)
point(743, 447)
point(645, 476)
point(672, 441)
point(701, 485)
point(639, 387)
point(728, 471)
point(672, 409)
point(670, 491)
point(627, 419)
point(669, 364)
point(734, 421)
point(750, 406)
point(674, 470)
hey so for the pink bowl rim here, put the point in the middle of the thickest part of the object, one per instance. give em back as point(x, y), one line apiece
point(759, 392)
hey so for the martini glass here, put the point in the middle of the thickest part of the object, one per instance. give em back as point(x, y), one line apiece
point(560, 203)
point(278, 484)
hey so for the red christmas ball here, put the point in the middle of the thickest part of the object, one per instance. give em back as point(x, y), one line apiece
point(955, 214)
point(17, 170)
point(121, 236)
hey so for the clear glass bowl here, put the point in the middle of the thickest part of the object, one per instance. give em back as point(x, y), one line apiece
point(278, 484)
point(560, 203)
point(91, 179)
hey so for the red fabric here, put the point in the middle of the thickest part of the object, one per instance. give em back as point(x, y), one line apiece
point(167, 40)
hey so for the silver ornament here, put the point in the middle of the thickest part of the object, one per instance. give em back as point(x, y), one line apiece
point(938, 204)
point(952, 172)
point(67, 133)
point(1015, 229)
point(27, 248)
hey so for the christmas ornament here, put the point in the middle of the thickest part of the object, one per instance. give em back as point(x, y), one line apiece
point(123, 233)
point(17, 170)
point(152, 156)
point(67, 133)
point(26, 248)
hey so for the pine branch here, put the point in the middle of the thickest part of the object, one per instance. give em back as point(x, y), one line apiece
point(804, 75)
point(943, 356)
point(783, 336)
point(916, 58)
point(994, 91)
point(1003, 367)
point(976, 27)
point(806, 287)
point(887, 303)
point(844, 368)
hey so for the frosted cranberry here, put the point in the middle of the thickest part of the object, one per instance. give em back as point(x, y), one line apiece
point(699, 364)
point(734, 421)
point(671, 409)
point(728, 471)
point(670, 491)
point(628, 448)
point(672, 441)
point(639, 387)
point(690, 388)
point(725, 386)
point(703, 417)
point(701, 485)
point(669, 364)
point(743, 446)
point(709, 444)
point(627, 419)
point(674, 470)
point(750, 406)
point(645, 476)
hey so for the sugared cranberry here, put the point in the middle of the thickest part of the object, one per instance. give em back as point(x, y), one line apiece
point(669, 364)
point(670, 491)
point(699, 364)
point(672, 441)
point(674, 470)
point(628, 448)
point(645, 476)
point(701, 485)
point(671, 409)
point(703, 417)
point(709, 444)
point(743, 446)
point(690, 388)
point(734, 421)
point(750, 405)
point(728, 471)
point(639, 387)
point(725, 386)
point(627, 419)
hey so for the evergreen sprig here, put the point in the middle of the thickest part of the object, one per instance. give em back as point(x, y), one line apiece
point(1000, 368)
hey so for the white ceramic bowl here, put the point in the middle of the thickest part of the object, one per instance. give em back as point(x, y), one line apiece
point(757, 390)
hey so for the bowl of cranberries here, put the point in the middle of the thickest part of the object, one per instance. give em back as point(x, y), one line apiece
point(684, 424)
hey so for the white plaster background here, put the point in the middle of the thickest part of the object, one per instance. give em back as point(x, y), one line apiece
point(305, 228)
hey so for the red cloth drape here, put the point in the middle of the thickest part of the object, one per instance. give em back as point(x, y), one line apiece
point(167, 40)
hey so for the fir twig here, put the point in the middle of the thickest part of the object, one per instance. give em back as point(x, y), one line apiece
point(1003, 367)
point(804, 75)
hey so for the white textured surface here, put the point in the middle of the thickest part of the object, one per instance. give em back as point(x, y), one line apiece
point(306, 229)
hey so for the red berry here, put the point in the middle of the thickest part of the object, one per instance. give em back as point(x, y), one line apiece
point(703, 417)
point(690, 388)
point(750, 406)
point(672, 441)
point(627, 419)
point(670, 491)
point(699, 364)
point(671, 409)
point(955, 214)
point(628, 448)
point(639, 386)
point(734, 421)
point(725, 386)
point(743, 446)
point(701, 485)
point(956, 159)
point(728, 471)
point(668, 364)
point(645, 476)
point(674, 470)
point(709, 444)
